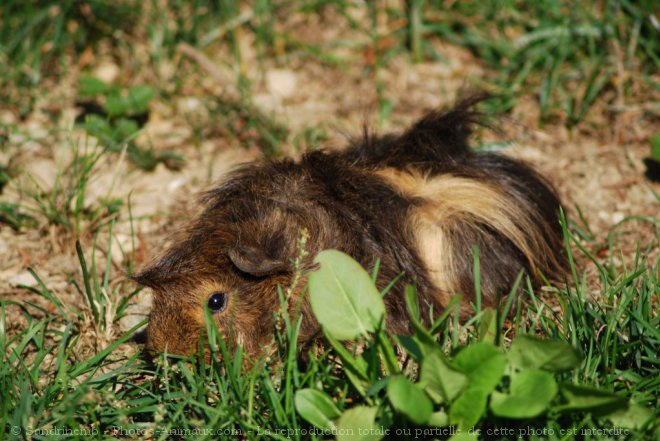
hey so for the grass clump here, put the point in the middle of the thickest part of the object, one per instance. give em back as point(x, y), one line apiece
point(251, 127)
point(65, 203)
point(567, 54)
point(587, 371)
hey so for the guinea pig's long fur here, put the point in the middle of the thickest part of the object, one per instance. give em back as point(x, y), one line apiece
point(419, 202)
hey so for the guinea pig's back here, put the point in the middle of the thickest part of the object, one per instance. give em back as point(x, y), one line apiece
point(461, 199)
point(455, 212)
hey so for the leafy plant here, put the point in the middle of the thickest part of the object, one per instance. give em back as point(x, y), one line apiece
point(481, 382)
point(118, 121)
point(564, 53)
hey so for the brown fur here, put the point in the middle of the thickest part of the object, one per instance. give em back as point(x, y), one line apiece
point(419, 202)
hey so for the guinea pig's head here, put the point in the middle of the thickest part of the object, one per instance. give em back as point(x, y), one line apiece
point(236, 281)
point(232, 260)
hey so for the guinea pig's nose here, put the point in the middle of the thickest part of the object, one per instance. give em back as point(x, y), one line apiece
point(171, 335)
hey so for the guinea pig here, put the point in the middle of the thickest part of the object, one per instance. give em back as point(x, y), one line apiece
point(419, 202)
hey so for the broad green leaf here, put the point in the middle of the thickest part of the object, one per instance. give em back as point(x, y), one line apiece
point(588, 398)
point(440, 381)
point(317, 408)
point(139, 98)
point(409, 399)
point(438, 419)
point(344, 299)
point(633, 416)
point(529, 352)
point(468, 408)
point(483, 363)
point(116, 105)
point(99, 128)
point(359, 424)
point(91, 86)
point(134, 102)
point(530, 394)
point(125, 128)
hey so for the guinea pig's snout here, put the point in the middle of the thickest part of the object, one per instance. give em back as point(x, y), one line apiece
point(172, 333)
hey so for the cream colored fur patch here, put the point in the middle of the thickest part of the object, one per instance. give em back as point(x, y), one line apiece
point(449, 200)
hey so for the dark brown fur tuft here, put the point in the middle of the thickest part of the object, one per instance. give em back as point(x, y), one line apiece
point(419, 202)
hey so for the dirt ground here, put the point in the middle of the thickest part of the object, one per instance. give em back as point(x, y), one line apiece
point(597, 167)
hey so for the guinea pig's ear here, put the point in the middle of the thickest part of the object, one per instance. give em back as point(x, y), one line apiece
point(149, 277)
point(255, 261)
point(158, 273)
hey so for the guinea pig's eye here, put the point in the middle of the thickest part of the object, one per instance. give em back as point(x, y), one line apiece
point(217, 301)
